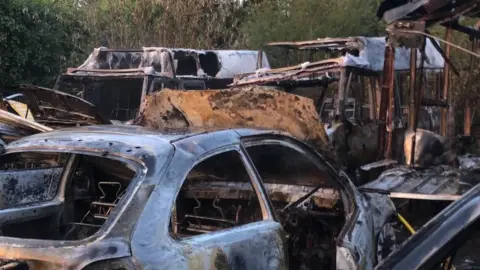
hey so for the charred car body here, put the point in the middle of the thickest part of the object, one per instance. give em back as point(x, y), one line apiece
point(119, 197)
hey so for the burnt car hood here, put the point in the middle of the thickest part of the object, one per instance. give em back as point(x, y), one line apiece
point(54, 108)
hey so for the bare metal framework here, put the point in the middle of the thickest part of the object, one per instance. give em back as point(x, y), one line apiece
point(413, 34)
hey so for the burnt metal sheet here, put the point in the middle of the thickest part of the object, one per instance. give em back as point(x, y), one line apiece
point(59, 109)
point(430, 11)
point(116, 73)
point(13, 127)
point(219, 64)
point(16, 121)
point(318, 44)
point(252, 107)
point(21, 187)
point(300, 72)
point(362, 54)
point(437, 183)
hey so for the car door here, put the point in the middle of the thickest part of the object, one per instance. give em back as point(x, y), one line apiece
point(219, 219)
point(354, 242)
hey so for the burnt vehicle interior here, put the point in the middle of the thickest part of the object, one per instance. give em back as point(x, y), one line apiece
point(217, 195)
point(33, 184)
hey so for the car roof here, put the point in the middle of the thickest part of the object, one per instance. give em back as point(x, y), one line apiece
point(131, 137)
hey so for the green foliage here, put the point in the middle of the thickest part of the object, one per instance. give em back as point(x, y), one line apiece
point(276, 20)
point(37, 38)
point(187, 23)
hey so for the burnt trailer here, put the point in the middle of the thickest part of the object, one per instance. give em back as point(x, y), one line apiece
point(116, 80)
point(350, 67)
point(343, 76)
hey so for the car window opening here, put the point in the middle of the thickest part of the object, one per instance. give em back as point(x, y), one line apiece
point(313, 226)
point(93, 188)
point(217, 194)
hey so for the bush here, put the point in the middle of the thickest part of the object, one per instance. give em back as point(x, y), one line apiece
point(37, 39)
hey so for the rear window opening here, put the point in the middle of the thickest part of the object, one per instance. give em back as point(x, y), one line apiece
point(32, 185)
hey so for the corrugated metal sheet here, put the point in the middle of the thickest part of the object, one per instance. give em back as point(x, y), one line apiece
point(437, 183)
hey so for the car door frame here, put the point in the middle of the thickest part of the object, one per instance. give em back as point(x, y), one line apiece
point(209, 250)
point(354, 246)
point(268, 217)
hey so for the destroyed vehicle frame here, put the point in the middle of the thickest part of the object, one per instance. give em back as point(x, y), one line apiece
point(117, 80)
point(138, 232)
point(356, 66)
point(117, 93)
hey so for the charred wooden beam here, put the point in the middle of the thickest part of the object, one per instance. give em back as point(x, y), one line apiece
point(342, 88)
point(387, 101)
point(371, 99)
point(467, 116)
point(417, 100)
point(470, 31)
point(445, 84)
point(413, 75)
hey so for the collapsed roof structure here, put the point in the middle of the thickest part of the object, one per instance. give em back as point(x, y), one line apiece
point(359, 54)
point(408, 24)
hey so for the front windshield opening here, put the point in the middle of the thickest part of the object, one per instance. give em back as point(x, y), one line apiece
point(32, 183)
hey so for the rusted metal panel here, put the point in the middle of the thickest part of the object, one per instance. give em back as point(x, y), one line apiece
point(253, 107)
point(57, 108)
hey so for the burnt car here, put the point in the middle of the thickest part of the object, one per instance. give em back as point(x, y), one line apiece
point(126, 197)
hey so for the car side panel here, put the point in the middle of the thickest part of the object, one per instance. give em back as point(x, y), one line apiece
point(259, 245)
point(253, 246)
